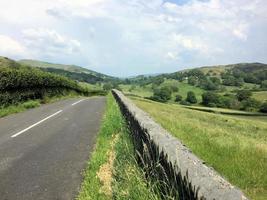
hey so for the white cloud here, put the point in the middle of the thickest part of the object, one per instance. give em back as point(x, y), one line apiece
point(49, 42)
point(241, 31)
point(139, 36)
point(11, 47)
point(172, 55)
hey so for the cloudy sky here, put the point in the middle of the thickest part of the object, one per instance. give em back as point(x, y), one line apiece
point(129, 37)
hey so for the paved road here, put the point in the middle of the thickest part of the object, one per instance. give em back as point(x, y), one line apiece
point(44, 150)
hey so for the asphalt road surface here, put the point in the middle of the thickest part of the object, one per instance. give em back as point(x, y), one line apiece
point(43, 151)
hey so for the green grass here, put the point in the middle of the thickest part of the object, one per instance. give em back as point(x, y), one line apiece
point(90, 86)
point(19, 108)
point(148, 92)
point(236, 148)
point(184, 88)
point(261, 96)
point(112, 172)
point(139, 91)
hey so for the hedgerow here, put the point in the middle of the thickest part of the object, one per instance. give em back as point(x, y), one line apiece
point(21, 83)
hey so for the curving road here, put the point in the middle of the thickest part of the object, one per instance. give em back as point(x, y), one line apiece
point(44, 150)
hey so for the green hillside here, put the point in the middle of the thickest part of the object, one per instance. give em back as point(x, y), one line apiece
point(240, 86)
point(70, 68)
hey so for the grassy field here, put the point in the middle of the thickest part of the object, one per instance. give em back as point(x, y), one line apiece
point(139, 91)
point(236, 148)
point(184, 88)
point(261, 96)
point(112, 172)
point(148, 92)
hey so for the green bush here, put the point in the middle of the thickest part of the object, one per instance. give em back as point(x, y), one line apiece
point(250, 104)
point(191, 97)
point(243, 95)
point(162, 94)
point(184, 102)
point(210, 99)
point(178, 98)
point(263, 107)
point(31, 104)
point(20, 83)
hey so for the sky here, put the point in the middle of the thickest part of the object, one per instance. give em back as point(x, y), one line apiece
point(130, 37)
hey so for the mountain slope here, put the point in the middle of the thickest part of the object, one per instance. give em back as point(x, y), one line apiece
point(70, 68)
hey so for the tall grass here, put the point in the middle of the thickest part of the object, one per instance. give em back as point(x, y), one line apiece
point(114, 153)
point(236, 148)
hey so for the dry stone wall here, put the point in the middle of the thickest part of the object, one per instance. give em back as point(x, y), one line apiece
point(165, 159)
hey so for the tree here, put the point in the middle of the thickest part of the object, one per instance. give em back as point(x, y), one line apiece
point(250, 104)
point(162, 95)
point(264, 84)
point(192, 80)
point(210, 99)
point(243, 94)
point(107, 86)
point(263, 107)
point(191, 97)
point(207, 84)
point(178, 98)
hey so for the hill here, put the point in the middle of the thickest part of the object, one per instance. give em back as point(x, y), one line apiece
point(219, 69)
point(69, 68)
point(6, 62)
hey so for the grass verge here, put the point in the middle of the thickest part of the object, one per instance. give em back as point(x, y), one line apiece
point(236, 148)
point(20, 107)
point(112, 172)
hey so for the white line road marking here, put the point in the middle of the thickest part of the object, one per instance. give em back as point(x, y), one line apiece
point(77, 102)
point(26, 129)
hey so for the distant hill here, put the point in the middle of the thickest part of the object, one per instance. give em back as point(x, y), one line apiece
point(245, 67)
point(70, 68)
point(6, 62)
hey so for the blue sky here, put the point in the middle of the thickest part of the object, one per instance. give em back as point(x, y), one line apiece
point(125, 38)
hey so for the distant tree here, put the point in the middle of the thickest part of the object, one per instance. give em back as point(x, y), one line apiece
point(250, 104)
point(178, 98)
point(210, 99)
point(192, 80)
point(107, 86)
point(263, 107)
point(191, 97)
point(228, 101)
point(243, 94)
point(230, 80)
point(174, 88)
point(250, 78)
point(158, 80)
point(162, 94)
point(264, 84)
point(133, 87)
point(184, 102)
point(207, 84)
point(215, 80)
point(196, 73)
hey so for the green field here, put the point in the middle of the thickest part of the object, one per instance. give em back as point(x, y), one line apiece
point(139, 91)
point(147, 91)
point(261, 96)
point(235, 147)
point(184, 88)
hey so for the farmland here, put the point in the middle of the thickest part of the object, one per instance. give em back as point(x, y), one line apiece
point(235, 147)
